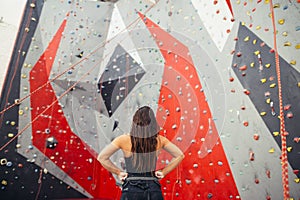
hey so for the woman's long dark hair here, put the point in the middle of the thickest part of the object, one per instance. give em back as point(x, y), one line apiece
point(143, 134)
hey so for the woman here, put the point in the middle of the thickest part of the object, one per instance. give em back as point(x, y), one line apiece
point(141, 148)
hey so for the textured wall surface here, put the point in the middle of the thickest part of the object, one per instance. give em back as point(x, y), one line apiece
point(80, 69)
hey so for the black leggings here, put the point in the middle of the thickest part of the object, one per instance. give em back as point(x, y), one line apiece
point(141, 190)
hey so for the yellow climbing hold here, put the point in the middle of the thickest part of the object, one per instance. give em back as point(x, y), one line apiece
point(256, 52)
point(246, 39)
point(272, 150)
point(258, 27)
point(293, 62)
point(243, 23)
point(284, 33)
point(277, 5)
point(254, 42)
point(281, 21)
point(10, 135)
point(275, 133)
point(273, 85)
point(263, 80)
point(267, 1)
point(289, 149)
point(297, 180)
point(298, 84)
point(267, 65)
point(263, 113)
point(287, 44)
point(297, 46)
point(268, 100)
point(238, 2)
point(4, 182)
point(252, 64)
point(21, 112)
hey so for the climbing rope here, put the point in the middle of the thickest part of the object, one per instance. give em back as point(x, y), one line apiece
point(283, 133)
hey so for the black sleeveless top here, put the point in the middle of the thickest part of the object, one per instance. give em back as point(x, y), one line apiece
point(132, 171)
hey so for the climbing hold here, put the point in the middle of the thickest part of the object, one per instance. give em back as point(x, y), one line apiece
point(289, 149)
point(281, 21)
point(247, 92)
point(267, 65)
point(246, 39)
point(51, 143)
point(3, 161)
point(293, 62)
point(243, 68)
point(272, 150)
point(273, 85)
point(297, 46)
point(209, 196)
point(285, 133)
point(297, 180)
point(287, 107)
point(289, 115)
point(284, 33)
point(263, 80)
point(263, 113)
point(256, 52)
point(80, 55)
point(287, 44)
point(296, 139)
point(10, 135)
point(251, 158)
point(4, 182)
point(268, 173)
point(47, 130)
point(256, 136)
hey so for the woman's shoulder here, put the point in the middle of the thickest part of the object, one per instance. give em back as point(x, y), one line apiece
point(163, 140)
point(121, 139)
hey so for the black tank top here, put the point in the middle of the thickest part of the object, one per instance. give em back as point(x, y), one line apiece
point(148, 172)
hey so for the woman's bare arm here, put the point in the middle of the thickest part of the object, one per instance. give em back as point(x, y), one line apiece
point(177, 158)
point(104, 158)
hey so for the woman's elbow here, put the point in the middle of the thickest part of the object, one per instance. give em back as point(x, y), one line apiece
point(101, 158)
point(181, 156)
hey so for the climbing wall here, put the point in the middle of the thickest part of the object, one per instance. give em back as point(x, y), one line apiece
point(209, 69)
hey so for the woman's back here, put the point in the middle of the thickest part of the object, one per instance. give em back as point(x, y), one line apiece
point(148, 158)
